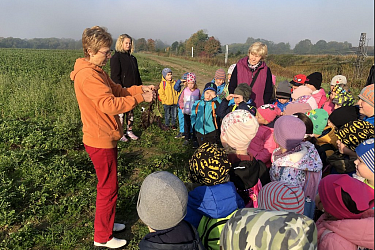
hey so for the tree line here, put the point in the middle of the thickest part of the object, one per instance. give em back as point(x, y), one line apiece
point(203, 44)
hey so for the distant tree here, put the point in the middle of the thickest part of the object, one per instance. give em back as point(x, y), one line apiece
point(303, 47)
point(141, 44)
point(150, 45)
point(160, 45)
point(197, 40)
point(280, 48)
point(174, 47)
point(212, 47)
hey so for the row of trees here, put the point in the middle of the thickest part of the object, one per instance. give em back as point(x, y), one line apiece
point(204, 46)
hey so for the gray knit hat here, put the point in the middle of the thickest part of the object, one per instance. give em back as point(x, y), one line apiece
point(165, 71)
point(283, 90)
point(162, 200)
point(244, 90)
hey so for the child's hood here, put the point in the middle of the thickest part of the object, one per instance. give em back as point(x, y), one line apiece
point(360, 232)
point(81, 64)
point(305, 159)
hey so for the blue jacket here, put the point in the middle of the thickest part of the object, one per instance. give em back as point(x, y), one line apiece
point(217, 201)
point(219, 88)
point(202, 120)
point(369, 119)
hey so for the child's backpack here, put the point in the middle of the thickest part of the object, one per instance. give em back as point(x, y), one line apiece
point(209, 230)
point(213, 111)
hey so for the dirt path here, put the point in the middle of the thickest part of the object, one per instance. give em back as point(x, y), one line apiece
point(204, 73)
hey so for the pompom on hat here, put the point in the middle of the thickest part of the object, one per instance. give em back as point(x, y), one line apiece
point(238, 128)
point(289, 131)
point(209, 165)
point(282, 196)
point(354, 133)
point(162, 200)
point(330, 188)
point(365, 152)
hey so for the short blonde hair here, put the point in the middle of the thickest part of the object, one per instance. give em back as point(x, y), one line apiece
point(259, 49)
point(95, 38)
point(120, 41)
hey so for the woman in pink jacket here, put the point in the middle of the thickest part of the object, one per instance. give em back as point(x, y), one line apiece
point(348, 219)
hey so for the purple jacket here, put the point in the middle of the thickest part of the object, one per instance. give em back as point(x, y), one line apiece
point(262, 89)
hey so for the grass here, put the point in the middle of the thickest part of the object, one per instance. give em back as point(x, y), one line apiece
point(47, 181)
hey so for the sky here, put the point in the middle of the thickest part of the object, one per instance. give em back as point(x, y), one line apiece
point(176, 20)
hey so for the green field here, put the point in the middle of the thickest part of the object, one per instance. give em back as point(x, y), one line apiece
point(47, 181)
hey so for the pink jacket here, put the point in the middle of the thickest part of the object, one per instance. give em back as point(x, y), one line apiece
point(320, 97)
point(347, 234)
point(262, 145)
point(329, 106)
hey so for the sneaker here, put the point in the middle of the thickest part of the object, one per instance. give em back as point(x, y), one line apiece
point(174, 127)
point(113, 243)
point(179, 136)
point(131, 135)
point(124, 139)
point(117, 227)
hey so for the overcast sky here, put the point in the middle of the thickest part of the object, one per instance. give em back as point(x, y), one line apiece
point(176, 20)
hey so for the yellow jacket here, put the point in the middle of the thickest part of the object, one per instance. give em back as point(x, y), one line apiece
point(167, 94)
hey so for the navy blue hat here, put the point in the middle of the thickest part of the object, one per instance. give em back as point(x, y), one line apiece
point(210, 86)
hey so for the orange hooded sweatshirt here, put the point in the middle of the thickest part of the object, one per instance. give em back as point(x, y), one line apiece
point(100, 101)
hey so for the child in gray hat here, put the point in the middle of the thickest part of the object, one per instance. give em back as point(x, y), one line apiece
point(162, 204)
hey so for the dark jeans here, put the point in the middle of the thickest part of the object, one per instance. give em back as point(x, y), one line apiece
point(170, 112)
point(187, 128)
point(210, 137)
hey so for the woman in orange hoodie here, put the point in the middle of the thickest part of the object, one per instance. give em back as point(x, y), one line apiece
point(100, 101)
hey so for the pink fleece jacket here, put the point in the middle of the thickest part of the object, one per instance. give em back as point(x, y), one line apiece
point(320, 97)
point(262, 145)
point(347, 234)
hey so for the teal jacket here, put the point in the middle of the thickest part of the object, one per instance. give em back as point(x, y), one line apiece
point(202, 117)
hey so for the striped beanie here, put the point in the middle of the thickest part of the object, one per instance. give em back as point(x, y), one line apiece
point(354, 133)
point(285, 136)
point(191, 77)
point(220, 74)
point(282, 196)
point(365, 151)
point(367, 94)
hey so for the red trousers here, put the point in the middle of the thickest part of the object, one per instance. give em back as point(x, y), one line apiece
point(105, 163)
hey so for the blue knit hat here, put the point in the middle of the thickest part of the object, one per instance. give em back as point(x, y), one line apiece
point(365, 152)
point(166, 71)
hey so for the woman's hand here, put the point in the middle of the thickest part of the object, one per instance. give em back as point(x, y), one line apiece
point(148, 88)
point(149, 96)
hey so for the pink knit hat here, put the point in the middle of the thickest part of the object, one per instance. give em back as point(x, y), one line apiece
point(238, 128)
point(269, 112)
point(293, 108)
point(282, 196)
point(330, 194)
point(301, 91)
point(289, 131)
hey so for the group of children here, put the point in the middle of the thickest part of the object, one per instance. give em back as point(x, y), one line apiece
point(294, 174)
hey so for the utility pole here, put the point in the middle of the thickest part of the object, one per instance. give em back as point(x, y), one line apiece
point(192, 51)
point(361, 55)
point(226, 54)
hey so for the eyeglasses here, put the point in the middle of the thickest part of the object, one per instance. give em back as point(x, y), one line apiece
point(108, 53)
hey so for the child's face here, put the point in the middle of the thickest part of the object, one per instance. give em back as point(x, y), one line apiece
point(237, 99)
point(282, 101)
point(341, 146)
point(310, 87)
point(191, 85)
point(329, 123)
point(209, 95)
point(254, 58)
point(365, 108)
point(168, 77)
point(218, 82)
point(363, 170)
point(260, 119)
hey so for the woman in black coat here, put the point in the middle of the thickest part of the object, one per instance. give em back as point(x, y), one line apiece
point(124, 71)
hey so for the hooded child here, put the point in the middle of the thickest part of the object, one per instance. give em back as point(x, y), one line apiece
point(162, 206)
point(365, 162)
point(216, 196)
point(222, 87)
point(338, 80)
point(348, 219)
point(179, 87)
point(241, 98)
point(283, 95)
point(296, 161)
point(314, 82)
point(263, 144)
point(203, 116)
point(187, 98)
point(238, 128)
point(168, 97)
